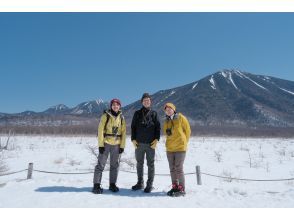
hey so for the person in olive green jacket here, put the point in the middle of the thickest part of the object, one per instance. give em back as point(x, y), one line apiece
point(177, 130)
point(112, 139)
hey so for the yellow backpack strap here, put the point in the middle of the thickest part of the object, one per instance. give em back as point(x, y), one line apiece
point(107, 120)
point(122, 118)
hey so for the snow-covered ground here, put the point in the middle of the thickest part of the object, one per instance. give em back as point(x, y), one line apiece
point(236, 157)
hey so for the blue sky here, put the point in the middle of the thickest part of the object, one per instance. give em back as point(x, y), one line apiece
point(53, 58)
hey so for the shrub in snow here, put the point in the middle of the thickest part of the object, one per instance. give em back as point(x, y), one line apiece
point(218, 156)
point(73, 162)
point(267, 167)
point(261, 156)
point(249, 158)
point(130, 163)
point(3, 167)
point(282, 152)
point(93, 150)
point(227, 174)
point(59, 160)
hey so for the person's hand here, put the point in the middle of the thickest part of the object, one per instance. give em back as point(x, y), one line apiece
point(121, 150)
point(154, 144)
point(135, 143)
point(101, 150)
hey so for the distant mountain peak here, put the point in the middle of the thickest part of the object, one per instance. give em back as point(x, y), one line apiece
point(56, 109)
point(99, 101)
point(231, 75)
point(228, 75)
point(59, 107)
point(90, 107)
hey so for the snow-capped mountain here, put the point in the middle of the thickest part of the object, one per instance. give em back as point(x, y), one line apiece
point(27, 113)
point(58, 119)
point(224, 99)
point(86, 109)
point(57, 109)
point(56, 115)
point(231, 97)
point(90, 108)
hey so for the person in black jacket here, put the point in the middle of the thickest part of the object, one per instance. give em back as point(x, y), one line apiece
point(145, 136)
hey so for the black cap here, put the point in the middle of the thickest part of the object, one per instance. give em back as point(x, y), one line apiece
point(145, 95)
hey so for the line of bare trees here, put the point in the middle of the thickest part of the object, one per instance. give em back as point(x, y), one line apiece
point(91, 129)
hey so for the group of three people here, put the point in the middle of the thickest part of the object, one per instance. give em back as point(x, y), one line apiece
point(145, 136)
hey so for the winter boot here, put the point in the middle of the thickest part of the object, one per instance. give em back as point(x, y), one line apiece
point(180, 191)
point(113, 187)
point(97, 189)
point(148, 189)
point(138, 186)
point(173, 190)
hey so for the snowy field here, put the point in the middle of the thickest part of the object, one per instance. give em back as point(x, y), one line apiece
point(231, 157)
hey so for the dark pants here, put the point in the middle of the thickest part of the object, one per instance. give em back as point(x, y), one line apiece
point(114, 164)
point(140, 152)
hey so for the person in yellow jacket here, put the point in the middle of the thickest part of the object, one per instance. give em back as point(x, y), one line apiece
point(177, 130)
point(111, 139)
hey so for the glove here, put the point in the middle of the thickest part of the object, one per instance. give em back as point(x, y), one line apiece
point(121, 150)
point(154, 144)
point(135, 143)
point(101, 150)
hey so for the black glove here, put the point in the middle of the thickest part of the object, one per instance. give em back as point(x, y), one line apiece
point(121, 150)
point(101, 150)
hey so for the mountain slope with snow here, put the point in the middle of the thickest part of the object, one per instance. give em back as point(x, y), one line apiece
point(232, 97)
point(227, 98)
point(58, 109)
point(95, 107)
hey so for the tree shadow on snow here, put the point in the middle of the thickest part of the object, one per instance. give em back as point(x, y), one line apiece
point(122, 191)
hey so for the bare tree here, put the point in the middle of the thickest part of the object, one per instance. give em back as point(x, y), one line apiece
point(262, 156)
point(267, 167)
point(93, 150)
point(129, 162)
point(3, 166)
point(250, 157)
point(5, 146)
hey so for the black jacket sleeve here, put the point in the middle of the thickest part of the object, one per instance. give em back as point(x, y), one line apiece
point(157, 127)
point(134, 127)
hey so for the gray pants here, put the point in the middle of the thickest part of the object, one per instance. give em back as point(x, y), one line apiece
point(114, 163)
point(176, 163)
point(140, 152)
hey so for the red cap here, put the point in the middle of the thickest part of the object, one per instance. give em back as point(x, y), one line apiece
point(115, 100)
